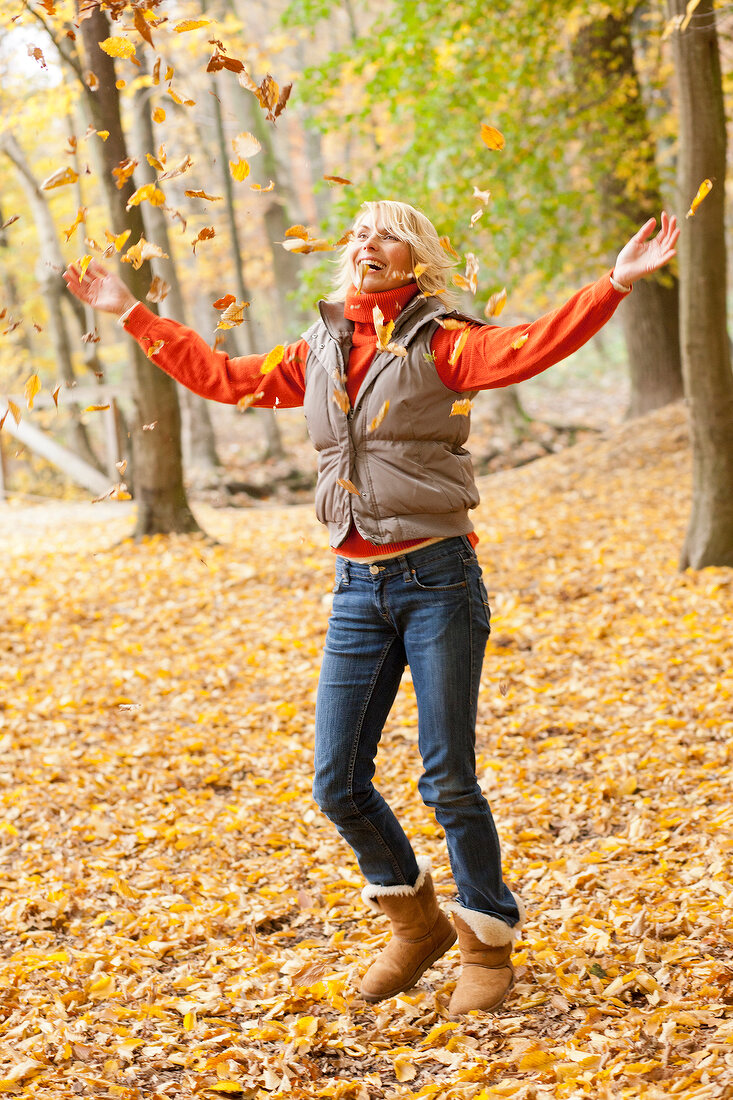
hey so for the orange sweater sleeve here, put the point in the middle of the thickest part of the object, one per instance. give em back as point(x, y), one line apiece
point(490, 359)
point(188, 358)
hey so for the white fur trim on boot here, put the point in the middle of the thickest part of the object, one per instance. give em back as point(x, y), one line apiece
point(492, 931)
point(372, 891)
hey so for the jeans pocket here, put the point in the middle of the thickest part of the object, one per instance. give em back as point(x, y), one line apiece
point(440, 575)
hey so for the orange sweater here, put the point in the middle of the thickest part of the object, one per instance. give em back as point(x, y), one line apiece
point(488, 360)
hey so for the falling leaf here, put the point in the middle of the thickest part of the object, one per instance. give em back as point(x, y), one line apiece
point(702, 192)
point(348, 485)
point(149, 192)
point(96, 408)
point(482, 196)
point(232, 315)
point(83, 263)
point(225, 302)
point(32, 389)
point(203, 195)
point(272, 359)
point(158, 289)
point(144, 250)
point(419, 269)
point(80, 217)
point(118, 47)
point(461, 408)
point(338, 179)
point(261, 189)
point(10, 221)
point(246, 145)
point(183, 166)
point(249, 399)
point(190, 25)
point(37, 54)
point(297, 231)
point(469, 280)
point(448, 247)
point(123, 171)
point(121, 466)
point(383, 331)
point(341, 398)
point(55, 395)
point(158, 114)
point(180, 100)
point(458, 346)
point(492, 137)
point(496, 303)
point(239, 169)
point(520, 341)
point(475, 217)
point(689, 10)
point(204, 235)
point(379, 417)
point(119, 240)
point(2, 418)
point(60, 178)
point(150, 427)
point(449, 323)
point(14, 411)
point(154, 349)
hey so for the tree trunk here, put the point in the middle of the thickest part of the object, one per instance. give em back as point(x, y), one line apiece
point(705, 348)
point(156, 430)
point(49, 267)
point(622, 164)
point(199, 446)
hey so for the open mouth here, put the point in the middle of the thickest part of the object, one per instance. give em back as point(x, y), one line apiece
point(373, 265)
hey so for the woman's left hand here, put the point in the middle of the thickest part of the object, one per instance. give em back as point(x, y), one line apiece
point(641, 255)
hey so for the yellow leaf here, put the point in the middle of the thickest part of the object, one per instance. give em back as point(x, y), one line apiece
point(155, 348)
point(404, 1069)
point(249, 399)
point(496, 303)
point(692, 4)
point(14, 411)
point(383, 331)
point(379, 417)
point(95, 408)
point(190, 25)
point(119, 240)
point(348, 485)
point(60, 178)
point(32, 388)
point(118, 47)
point(104, 986)
point(451, 323)
point(158, 114)
point(458, 347)
point(104, 134)
point(419, 269)
point(232, 315)
point(147, 193)
point(239, 169)
point(259, 187)
point(536, 1059)
point(272, 359)
point(189, 1021)
point(702, 192)
point(80, 216)
point(144, 250)
point(492, 137)
point(461, 408)
point(203, 195)
point(297, 231)
point(341, 398)
point(520, 341)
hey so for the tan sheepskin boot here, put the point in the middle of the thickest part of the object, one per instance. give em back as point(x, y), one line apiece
point(421, 933)
point(487, 974)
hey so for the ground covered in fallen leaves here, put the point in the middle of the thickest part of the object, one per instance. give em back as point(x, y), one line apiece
point(177, 919)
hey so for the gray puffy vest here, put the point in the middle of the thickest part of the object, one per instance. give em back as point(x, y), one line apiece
point(413, 474)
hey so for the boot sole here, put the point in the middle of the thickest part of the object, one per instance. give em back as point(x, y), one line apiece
point(374, 998)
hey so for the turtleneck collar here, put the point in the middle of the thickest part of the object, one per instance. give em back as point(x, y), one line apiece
point(360, 307)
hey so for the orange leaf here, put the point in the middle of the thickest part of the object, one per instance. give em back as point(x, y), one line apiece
point(492, 137)
point(348, 486)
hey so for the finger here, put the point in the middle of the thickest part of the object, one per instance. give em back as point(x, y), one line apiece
point(646, 230)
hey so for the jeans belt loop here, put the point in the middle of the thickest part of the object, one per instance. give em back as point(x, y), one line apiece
point(345, 576)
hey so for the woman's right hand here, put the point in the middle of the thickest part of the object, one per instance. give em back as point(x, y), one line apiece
point(99, 288)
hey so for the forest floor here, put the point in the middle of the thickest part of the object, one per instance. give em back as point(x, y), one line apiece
point(177, 919)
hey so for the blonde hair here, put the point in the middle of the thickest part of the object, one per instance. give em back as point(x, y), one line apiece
point(408, 225)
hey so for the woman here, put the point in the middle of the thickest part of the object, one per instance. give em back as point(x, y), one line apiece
point(388, 410)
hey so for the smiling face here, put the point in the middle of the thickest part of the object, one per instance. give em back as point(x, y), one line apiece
point(384, 261)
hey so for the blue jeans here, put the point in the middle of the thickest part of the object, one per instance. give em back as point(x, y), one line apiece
point(428, 609)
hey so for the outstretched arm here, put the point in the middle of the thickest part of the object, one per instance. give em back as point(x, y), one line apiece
point(644, 253)
point(185, 355)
